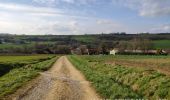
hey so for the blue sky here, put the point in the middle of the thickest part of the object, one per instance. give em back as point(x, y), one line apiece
point(84, 16)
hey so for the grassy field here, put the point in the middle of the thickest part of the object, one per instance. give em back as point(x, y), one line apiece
point(161, 44)
point(23, 59)
point(85, 39)
point(115, 81)
point(157, 44)
point(14, 45)
point(161, 63)
point(20, 75)
point(10, 62)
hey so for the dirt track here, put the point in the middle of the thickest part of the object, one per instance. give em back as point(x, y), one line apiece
point(61, 82)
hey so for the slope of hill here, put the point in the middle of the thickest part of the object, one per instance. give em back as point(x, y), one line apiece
point(53, 43)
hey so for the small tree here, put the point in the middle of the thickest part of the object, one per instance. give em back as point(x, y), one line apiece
point(122, 46)
point(103, 47)
point(146, 45)
point(142, 44)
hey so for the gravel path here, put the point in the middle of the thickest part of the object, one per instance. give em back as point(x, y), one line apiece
point(62, 82)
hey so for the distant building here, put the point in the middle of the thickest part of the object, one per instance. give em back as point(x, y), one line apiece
point(139, 52)
point(134, 51)
point(81, 50)
point(114, 51)
point(76, 51)
point(93, 51)
point(153, 51)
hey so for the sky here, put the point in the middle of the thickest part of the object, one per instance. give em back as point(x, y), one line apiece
point(64, 17)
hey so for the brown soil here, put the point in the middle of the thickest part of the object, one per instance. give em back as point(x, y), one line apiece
point(62, 82)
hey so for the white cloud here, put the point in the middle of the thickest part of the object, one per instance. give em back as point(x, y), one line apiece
point(155, 8)
point(26, 19)
point(69, 1)
point(104, 22)
point(60, 25)
point(109, 26)
point(29, 9)
point(148, 8)
point(38, 10)
point(54, 2)
point(161, 28)
point(144, 7)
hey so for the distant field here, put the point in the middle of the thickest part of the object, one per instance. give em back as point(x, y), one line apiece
point(16, 71)
point(9, 45)
point(117, 77)
point(161, 44)
point(14, 45)
point(8, 63)
point(31, 58)
point(85, 39)
point(161, 63)
point(157, 44)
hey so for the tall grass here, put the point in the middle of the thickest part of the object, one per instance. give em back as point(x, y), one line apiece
point(104, 84)
point(17, 77)
point(118, 82)
point(8, 63)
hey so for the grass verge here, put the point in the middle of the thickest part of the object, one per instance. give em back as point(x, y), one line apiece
point(118, 82)
point(17, 77)
point(8, 63)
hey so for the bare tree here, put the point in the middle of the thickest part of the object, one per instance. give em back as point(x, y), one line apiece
point(146, 45)
point(123, 45)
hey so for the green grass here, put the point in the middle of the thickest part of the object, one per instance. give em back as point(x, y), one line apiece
point(26, 59)
point(8, 45)
point(85, 39)
point(162, 44)
point(104, 84)
point(29, 44)
point(117, 82)
point(8, 63)
point(18, 77)
point(158, 62)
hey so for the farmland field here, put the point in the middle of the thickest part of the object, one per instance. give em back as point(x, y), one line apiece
point(161, 44)
point(9, 62)
point(85, 50)
point(18, 70)
point(111, 77)
point(29, 59)
point(126, 76)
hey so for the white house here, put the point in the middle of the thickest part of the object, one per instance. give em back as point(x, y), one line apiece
point(113, 52)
